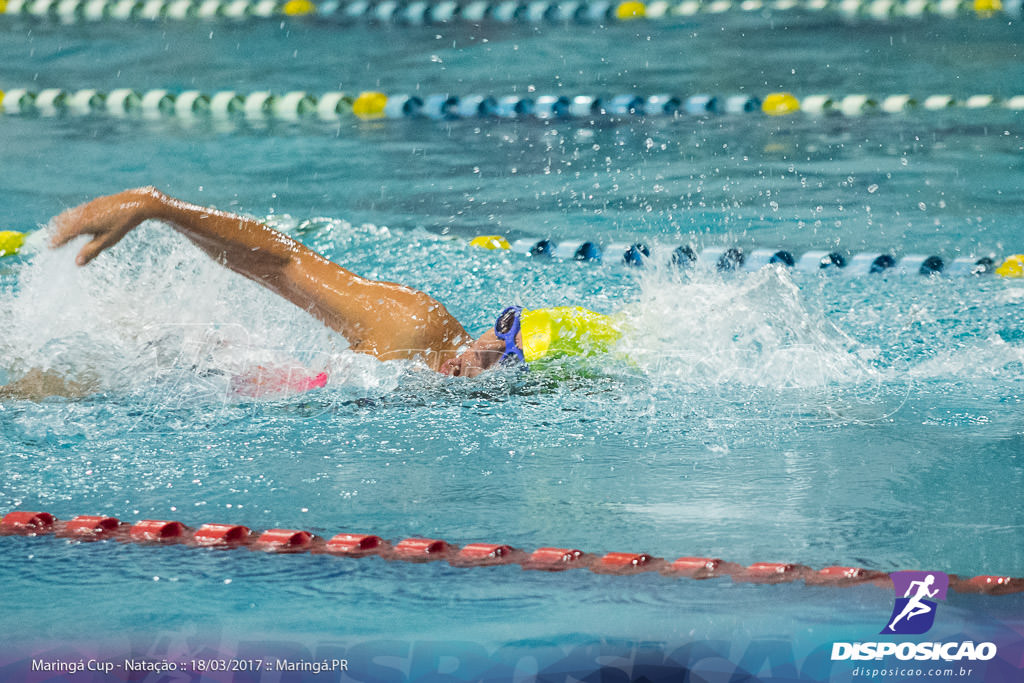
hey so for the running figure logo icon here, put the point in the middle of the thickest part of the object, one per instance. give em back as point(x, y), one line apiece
point(914, 612)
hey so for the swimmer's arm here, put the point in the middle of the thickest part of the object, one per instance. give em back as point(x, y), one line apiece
point(238, 241)
point(333, 294)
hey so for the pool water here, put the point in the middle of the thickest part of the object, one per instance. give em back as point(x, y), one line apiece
point(813, 418)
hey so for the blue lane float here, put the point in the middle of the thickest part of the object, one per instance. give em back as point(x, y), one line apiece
point(636, 255)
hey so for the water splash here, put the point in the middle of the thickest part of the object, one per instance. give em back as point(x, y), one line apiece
point(150, 308)
point(758, 329)
point(155, 315)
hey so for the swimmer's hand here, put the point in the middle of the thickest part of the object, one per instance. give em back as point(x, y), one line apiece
point(107, 219)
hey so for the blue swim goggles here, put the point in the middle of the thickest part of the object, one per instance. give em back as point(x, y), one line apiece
point(506, 328)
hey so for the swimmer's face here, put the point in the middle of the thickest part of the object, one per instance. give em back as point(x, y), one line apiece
point(482, 355)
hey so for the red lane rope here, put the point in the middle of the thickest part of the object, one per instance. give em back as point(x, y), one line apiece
point(157, 532)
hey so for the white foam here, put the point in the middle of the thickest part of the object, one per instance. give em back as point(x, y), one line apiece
point(153, 305)
point(758, 329)
point(991, 358)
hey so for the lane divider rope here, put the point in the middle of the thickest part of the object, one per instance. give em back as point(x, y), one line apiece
point(724, 259)
point(721, 259)
point(158, 532)
point(264, 105)
point(292, 106)
point(418, 12)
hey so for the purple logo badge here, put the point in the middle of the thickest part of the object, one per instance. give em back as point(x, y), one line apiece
point(916, 593)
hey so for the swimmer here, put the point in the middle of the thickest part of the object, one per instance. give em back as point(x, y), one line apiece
point(383, 319)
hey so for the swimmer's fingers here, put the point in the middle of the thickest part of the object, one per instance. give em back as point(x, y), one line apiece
point(95, 247)
point(74, 223)
point(107, 219)
point(67, 226)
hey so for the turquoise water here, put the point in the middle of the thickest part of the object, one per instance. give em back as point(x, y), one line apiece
point(770, 416)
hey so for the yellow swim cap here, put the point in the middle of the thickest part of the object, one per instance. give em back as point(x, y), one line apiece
point(566, 331)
